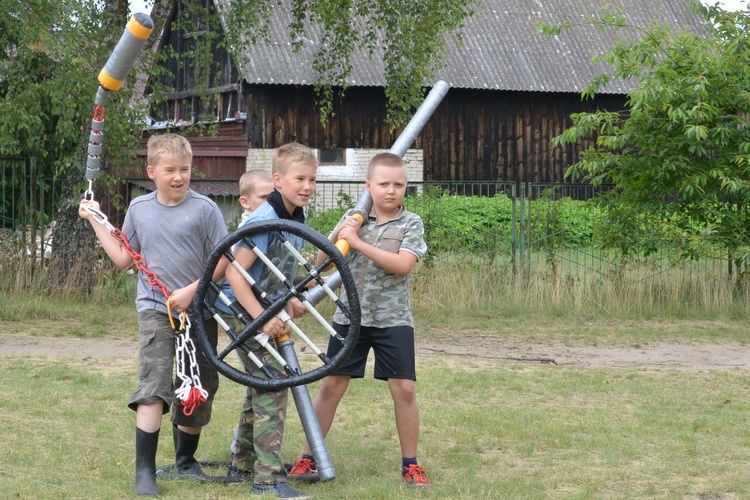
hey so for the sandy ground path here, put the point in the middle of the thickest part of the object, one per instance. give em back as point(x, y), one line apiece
point(666, 355)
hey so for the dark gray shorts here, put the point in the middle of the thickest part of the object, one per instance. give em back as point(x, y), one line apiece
point(393, 348)
point(156, 342)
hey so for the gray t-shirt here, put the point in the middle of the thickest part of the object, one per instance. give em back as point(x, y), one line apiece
point(174, 242)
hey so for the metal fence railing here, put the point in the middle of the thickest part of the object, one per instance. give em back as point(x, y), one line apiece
point(534, 230)
point(559, 243)
point(27, 207)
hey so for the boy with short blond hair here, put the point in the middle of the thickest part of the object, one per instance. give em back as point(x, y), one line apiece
point(255, 186)
point(174, 229)
point(382, 253)
point(294, 173)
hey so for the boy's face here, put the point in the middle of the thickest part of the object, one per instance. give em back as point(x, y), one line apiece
point(387, 187)
point(297, 185)
point(172, 178)
point(260, 193)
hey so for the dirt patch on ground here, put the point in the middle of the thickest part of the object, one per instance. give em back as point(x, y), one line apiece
point(664, 355)
point(676, 356)
point(47, 347)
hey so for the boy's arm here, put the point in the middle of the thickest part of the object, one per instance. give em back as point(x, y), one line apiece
point(400, 263)
point(111, 246)
point(245, 296)
point(182, 298)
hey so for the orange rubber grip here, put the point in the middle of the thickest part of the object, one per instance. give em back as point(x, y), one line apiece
point(283, 338)
point(343, 245)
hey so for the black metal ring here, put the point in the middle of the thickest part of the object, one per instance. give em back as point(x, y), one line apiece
point(289, 380)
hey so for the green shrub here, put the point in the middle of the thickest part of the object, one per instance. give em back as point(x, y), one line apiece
point(324, 221)
point(484, 225)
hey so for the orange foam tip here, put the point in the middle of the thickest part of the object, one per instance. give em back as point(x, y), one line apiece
point(138, 30)
point(108, 82)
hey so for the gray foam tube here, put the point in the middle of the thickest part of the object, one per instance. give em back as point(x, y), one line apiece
point(308, 418)
point(126, 51)
point(404, 140)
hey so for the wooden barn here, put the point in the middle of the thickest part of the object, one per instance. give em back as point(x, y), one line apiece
point(512, 89)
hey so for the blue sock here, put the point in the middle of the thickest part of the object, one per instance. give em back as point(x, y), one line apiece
point(406, 462)
point(309, 457)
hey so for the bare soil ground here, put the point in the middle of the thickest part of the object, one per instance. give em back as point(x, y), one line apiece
point(482, 350)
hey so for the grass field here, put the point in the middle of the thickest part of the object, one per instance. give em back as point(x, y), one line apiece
point(490, 428)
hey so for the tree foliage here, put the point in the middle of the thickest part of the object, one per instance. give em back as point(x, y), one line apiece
point(679, 155)
point(51, 52)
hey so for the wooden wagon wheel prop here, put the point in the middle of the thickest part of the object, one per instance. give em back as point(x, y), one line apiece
point(208, 290)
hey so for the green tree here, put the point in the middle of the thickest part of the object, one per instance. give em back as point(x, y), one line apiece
point(51, 53)
point(679, 155)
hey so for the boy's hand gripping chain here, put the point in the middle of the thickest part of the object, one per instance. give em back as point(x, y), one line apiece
point(293, 375)
point(191, 392)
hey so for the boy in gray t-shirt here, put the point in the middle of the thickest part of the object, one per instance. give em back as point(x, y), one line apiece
point(174, 229)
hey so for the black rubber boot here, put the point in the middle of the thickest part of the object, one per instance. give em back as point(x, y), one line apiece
point(145, 463)
point(185, 446)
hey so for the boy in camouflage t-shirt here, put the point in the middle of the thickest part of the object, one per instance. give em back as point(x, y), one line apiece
point(382, 254)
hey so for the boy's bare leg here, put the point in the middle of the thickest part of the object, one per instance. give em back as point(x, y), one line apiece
point(404, 394)
point(148, 416)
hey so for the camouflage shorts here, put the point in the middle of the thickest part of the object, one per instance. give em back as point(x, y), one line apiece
point(156, 342)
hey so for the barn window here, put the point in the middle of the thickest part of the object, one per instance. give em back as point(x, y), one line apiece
point(332, 156)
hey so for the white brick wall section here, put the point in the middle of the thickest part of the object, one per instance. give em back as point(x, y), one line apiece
point(355, 170)
point(259, 159)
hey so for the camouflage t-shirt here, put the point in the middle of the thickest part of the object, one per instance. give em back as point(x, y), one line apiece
point(384, 297)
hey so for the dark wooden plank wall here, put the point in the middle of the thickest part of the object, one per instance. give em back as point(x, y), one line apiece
point(277, 114)
point(222, 156)
point(181, 66)
point(503, 136)
point(474, 135)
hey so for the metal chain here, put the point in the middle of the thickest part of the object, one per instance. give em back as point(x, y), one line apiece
point(191, 391)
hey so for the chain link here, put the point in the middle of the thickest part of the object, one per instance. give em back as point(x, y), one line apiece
point(191, 391)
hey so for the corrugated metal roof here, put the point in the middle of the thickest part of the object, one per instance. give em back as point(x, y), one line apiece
point(501, 47)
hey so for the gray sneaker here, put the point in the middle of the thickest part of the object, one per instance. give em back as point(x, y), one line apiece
point(233, 471)
point(279, 490)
